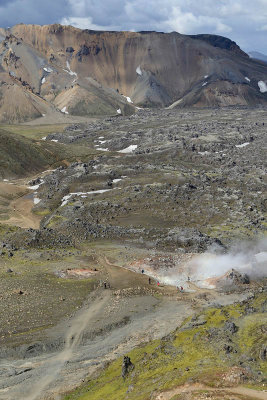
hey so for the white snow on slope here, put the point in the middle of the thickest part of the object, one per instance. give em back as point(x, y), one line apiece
point(43, 80)
point(100, 148)
point(128, 99)
point(64, 110)
point(247, 79)
point(205, 83)
point(36, 200)
point(47, 69)
point(242, 145)
point(119, 111)
point(35, 187)
point(128, 149)
point(138, 70)
point(54, 140)
point(263, 87)
point(82, 194)
point(69, 71)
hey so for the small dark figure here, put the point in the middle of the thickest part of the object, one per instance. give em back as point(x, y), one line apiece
point(105, 285)
point(149, 281)
point(188, 278)
point(143, 271)
point(182, 289)
point(127, 366)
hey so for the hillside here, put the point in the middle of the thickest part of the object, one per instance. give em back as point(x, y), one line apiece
point(20, 156)
point(64, 70)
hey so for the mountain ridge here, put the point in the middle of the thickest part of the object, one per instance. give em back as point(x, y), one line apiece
point(111, 70)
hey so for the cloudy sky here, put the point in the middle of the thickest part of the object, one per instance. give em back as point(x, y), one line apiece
point(244, 21)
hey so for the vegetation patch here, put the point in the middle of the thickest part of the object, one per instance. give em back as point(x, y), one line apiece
point(195, 352)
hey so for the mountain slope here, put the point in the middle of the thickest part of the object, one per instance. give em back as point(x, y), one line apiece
point(86, 72)
point(258, 56)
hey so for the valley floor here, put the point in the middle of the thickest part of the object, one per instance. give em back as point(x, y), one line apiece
point(122, 195)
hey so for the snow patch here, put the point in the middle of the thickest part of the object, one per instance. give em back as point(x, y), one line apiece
point(47, 69)
point(139, 71)
point(128, 149)
point(82, 194)
point(43, 80)
point(44, 138)
point(119, 111)
point(205, 83)
point(43, 115)
point(247, 79)
point(69, 71)
point(35, 187)
point(64, 110)
point(54, 140)
point(206, 76)
point(101, 137)
point(116, 180)
point(242, 145)
point(128, 99)
point(36, 200)
point(263, 87)
point(102, 141)
point(100, 148)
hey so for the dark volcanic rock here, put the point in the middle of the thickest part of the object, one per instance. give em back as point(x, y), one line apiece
point(127, 366)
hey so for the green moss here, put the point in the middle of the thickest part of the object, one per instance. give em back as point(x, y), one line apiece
point(42, 213)
point(55, 219)
point(187, 354)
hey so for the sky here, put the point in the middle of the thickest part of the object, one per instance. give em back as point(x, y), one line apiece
point(244, 21)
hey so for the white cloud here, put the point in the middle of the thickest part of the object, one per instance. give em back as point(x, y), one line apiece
point(188, 23)
point(82, 23)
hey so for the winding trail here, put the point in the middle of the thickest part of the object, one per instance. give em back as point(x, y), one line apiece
point(190, 389)
point(50, 370)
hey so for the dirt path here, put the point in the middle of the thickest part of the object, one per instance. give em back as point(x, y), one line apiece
point(50, 370)
point(19, 202)
point(190, 389)
point(105, 329)
point(21, 213)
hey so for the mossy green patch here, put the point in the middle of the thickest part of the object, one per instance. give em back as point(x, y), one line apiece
point(187, 354)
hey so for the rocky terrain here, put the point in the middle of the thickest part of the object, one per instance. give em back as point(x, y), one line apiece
point(162, 176)
point(140, 236)
point(48, 72)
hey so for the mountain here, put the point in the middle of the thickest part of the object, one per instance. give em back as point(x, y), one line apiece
point(61, 69)
point(257, 55)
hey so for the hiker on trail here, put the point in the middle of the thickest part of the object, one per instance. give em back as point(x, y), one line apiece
point(158, 283)
point(105, 285)
point(149, 281)
point(182, 289)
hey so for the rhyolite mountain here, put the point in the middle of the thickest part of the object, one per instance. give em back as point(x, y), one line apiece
point(53, 68)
